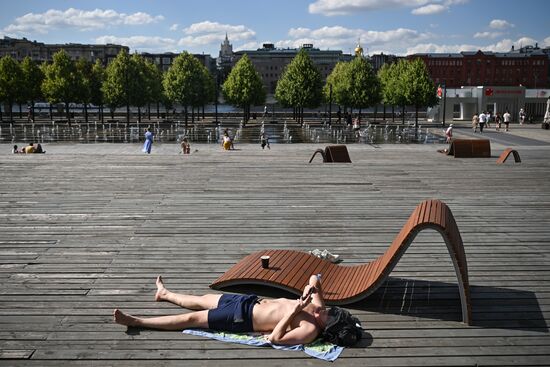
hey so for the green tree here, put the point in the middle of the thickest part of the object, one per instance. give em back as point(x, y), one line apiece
point(118, 83)
point(154, 84)
point(61, 81)
point(11, 78)
point(183, 81)
point(301, 85)
point(32, 82)
point(391, 79)
point(363, 84)
point(96, 83)
point(243, 87)
point(336, 80)
point(140, 88)
point(418, 88)
point(84, 94)
point(208, 92)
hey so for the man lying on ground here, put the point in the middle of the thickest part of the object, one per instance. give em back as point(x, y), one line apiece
point(285, 321)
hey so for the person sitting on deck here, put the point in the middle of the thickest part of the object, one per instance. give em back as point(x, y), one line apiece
point(285, 321)
point(185, 146)
point(227, 142)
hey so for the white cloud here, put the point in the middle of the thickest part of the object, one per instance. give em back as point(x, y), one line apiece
point(500, 24)
point(207, 33)
point(546, 42)
point(504, 45)
point(344, 7)
point(142, 43)
point(83, 20)
point(491, 35)
point(217, 30)
point(174, 27)
point(249, 46)
point(429, 9)
point(338, 37)
point(198, 38)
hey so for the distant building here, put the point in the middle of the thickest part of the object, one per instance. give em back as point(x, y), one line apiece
point(270, 62)
point(378, 60)
point(164, 60)
point(39, 52)
point(225, 59)
point(515, 68)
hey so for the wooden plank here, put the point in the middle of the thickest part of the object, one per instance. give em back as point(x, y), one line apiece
point(101, 226)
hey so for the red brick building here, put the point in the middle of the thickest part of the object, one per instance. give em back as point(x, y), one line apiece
point(527, 67)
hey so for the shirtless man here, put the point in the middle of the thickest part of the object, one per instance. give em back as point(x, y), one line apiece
point(285, 321)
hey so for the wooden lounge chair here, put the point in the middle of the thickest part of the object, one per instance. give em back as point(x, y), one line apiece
point(505, 155)
point(290, 270)
point(469, 148)
point(333, 154)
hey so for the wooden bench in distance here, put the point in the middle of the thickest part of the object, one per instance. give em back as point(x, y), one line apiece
point(505, 155)
point(290, 270)
point(469, 148)
point(333, 154)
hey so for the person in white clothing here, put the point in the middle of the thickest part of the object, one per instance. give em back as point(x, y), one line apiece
point(449, 133)
point(521, 116)
point(482, 121)
point(506, 117)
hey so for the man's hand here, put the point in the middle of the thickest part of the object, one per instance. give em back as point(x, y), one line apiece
point(301, 303)
point(308, 290)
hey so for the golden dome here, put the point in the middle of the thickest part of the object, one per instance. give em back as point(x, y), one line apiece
point(358, 49)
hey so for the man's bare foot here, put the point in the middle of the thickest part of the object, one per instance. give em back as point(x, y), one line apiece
point(161, 290)
point(124, 319)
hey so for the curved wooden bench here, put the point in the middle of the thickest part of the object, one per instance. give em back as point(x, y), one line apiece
point(333, 154)
point(469, 148)
point(505, 155)
point(290, 270)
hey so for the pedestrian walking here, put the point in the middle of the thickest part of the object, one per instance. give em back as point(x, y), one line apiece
point(264, 141)
point(498, 121)
point(449, 133)
point(482, 121)
point(521, 116)
point(148, 141)
point(506, 117)
point(475, 122)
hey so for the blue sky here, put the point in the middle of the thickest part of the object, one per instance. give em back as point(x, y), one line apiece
point(390, 26)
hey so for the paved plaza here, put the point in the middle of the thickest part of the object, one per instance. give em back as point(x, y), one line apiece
point(86, 228)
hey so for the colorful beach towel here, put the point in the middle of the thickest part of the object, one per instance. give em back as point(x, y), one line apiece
point(318, 349)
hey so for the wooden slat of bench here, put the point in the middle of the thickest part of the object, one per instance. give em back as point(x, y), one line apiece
point(313, 267)
point(296, 271)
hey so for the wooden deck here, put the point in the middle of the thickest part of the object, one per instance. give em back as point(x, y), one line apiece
point(87, 228)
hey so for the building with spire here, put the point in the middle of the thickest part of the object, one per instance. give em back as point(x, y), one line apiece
point(225, 59)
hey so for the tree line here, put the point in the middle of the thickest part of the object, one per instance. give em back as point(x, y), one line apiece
point(131, 80)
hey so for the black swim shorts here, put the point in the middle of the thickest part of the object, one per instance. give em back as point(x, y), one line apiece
point(234, 313)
